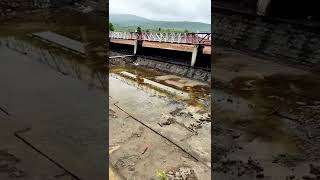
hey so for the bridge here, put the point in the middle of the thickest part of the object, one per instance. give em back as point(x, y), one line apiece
point(180, 38)
point(197, 43)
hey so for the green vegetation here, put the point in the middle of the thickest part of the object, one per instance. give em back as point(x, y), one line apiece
point(139, 29)
point(111, 27)
point(145, 29)
point(162, 175)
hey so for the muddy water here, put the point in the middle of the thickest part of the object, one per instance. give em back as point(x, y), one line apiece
point(247, 133)
point(192, 92)
point(268, 121)
point(61, 100)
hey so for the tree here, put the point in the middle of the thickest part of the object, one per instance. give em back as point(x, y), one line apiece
point(159, 29)
point(139, 29)
point(111, 27)
point(186, 31)
point(147, 31)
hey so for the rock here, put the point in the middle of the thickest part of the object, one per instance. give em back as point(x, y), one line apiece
point(301, 103)
point(178, 174)
point(291, 177)
point(168, 122)
point(236, 135)
point(315, 170)
point(260, 175)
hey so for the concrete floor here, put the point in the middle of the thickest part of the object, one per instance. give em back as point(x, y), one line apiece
point(156, 131)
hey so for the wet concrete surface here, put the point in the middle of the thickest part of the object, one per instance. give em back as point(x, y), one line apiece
point(157, 130)
point(61, 40)
point(266, 118)
point(55, 127)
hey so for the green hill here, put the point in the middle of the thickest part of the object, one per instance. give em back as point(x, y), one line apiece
point(128, 22)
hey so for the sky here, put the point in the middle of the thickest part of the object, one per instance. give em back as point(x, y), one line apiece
point(166, 10)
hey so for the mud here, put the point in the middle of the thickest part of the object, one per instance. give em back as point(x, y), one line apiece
point(267, 116)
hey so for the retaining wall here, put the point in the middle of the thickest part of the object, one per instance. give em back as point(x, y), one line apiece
point(287, 42)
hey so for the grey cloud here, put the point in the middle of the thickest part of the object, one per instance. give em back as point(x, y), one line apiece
point(172, 10)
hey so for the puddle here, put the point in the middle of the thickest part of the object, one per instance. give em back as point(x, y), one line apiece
point(156, 85)
point(196, 95)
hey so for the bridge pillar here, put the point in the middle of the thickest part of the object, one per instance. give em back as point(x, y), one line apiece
point(262, 6)
point(196, 53)
point(137, 46)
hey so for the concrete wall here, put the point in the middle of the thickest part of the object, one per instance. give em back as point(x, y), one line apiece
point(285, 41)
point(25, 4)
point(184, 71)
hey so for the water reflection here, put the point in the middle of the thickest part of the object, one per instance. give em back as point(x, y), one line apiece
point(58, 62)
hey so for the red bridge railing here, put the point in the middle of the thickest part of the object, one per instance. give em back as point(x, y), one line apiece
point(180, 38)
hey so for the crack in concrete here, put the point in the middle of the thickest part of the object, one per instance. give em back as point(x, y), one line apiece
point(61, 175)
point(17, 134)
point(4, 111)
point(181, 148)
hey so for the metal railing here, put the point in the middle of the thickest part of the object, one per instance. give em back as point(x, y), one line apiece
point(180, 38)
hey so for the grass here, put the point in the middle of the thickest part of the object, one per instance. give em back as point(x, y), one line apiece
point(162, 175)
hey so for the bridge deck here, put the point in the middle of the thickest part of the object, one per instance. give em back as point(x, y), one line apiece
point(161, 45)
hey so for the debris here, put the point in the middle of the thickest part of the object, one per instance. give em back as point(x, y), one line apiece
point(167, 122)
point(236, 135)
point(315, 170)
point(291, 177)
point(229, 100)
point(145, 150)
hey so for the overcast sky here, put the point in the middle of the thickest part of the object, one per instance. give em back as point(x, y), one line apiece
point(167, 10)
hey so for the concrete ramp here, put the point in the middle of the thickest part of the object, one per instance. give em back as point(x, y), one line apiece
point(61, 41)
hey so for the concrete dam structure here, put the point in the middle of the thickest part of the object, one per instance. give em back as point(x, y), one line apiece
point(286, 31)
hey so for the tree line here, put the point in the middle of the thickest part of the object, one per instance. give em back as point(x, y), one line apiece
point(147, 30)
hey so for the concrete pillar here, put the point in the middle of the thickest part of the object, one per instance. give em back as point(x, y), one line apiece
point(137, 46)
point(262, 6)
point(196, 53)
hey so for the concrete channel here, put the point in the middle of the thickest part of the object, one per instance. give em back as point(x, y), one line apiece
point(167, 103)
point(53, 100)
point(169, 116)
